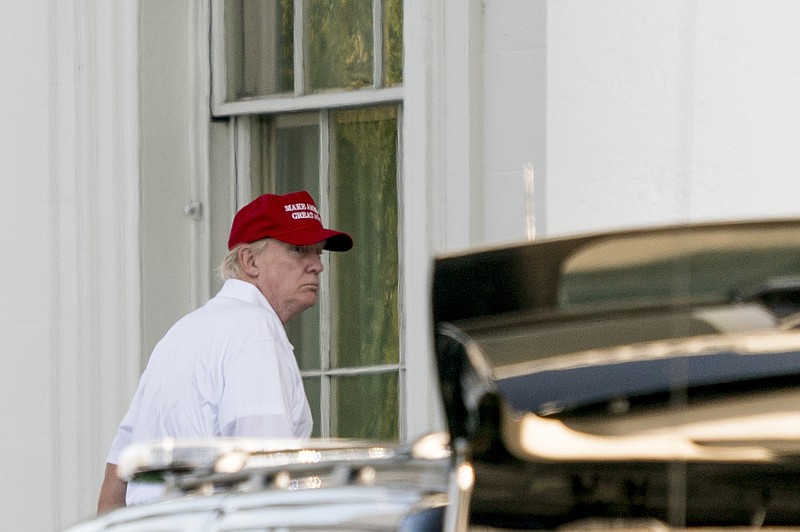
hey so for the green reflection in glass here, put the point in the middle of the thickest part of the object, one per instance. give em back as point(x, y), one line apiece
point(365, 315)
point(339, 39)
point(314, 394)
point(365, 406)
point(259, 47)
point(297, 159)
point(286, 47)
point(392, 42)
point(297, 164)
point(303, 333)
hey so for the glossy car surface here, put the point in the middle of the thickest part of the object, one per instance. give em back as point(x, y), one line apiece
point(643, 378)
point(239, 484)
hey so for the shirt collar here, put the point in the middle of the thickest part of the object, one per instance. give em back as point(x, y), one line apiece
point(244, 291)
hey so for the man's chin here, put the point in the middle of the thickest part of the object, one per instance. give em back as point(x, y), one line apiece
point(311, 300)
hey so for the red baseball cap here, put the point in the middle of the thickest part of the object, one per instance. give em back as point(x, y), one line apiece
point(292, 218)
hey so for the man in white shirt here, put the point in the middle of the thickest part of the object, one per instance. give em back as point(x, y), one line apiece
point(228, 369)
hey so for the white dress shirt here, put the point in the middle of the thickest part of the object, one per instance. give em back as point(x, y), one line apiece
point(226, 369)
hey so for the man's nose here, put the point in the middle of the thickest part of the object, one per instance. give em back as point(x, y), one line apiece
point(316, 264)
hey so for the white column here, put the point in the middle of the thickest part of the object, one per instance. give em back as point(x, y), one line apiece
point(94, 198)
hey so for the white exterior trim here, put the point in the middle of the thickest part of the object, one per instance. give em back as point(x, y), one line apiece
point(199, 94)
point(299, 100)
point(95, 290)
point(419, 198)
point(309, 102)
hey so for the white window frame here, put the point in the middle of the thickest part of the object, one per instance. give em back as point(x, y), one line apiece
point(302, 100)
point(240, 113)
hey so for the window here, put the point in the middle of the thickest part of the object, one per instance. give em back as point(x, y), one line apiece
point(314, 88)
point(284, 55)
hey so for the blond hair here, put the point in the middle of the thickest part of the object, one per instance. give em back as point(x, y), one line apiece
point(230, 267)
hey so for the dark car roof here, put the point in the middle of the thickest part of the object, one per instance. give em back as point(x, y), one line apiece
point(554, 356)
point(637, 268)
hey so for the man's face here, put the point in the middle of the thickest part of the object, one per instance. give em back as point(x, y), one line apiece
point(288, 276)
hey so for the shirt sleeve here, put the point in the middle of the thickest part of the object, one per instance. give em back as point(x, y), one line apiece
point(124, 431)
point(122, 439)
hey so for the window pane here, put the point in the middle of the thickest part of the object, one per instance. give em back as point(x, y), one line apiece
point(259, 47)
point(297, 168)
point(314, 394)
point(297, 158)
point(365, 406)
point(392, 42)
point(303, 333)
point(364, 285)
point(338, 35)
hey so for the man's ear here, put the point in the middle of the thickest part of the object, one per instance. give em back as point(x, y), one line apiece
point(247, 261)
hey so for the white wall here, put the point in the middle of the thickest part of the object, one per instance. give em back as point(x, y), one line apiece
point(28, 312)
point(515, 123)
point(629, 113)
point(671, 111)
point(476, 92)
point(168, 171)
point(69, 318)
